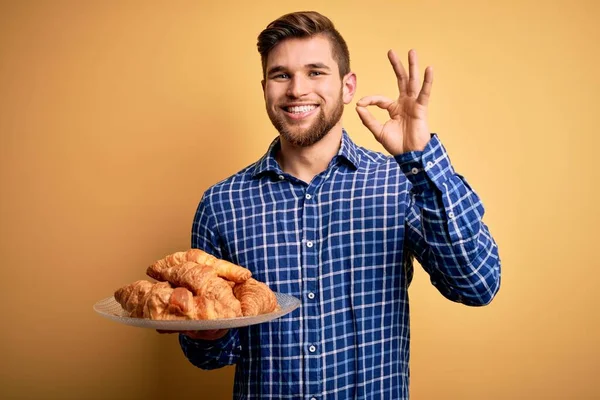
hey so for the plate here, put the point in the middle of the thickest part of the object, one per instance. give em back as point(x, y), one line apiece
point(111, 309)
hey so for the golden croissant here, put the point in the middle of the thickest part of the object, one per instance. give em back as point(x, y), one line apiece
point(223, 268)
point(255, 297)
point(213, 292)
point(143, 299)
point(159, 301)
point(196, 285)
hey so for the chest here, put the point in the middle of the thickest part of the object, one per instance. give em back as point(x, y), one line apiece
point(285, 231)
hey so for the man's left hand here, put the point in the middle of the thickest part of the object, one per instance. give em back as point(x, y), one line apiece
point(407, 128)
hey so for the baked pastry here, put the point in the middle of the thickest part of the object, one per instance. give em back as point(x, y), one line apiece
point(144, 299)
point(223, 268)
point(255, 297)
point(214, 293)
point(159, 301)
point(196, 285)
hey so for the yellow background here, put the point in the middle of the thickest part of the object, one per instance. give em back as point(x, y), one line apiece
point(115, 116)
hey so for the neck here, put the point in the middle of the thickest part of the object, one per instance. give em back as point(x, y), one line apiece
point(306, 162)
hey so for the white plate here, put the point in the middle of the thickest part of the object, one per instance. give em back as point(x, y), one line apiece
point(111, 309)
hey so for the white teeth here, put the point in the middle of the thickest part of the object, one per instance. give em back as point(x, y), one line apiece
point(301, 109)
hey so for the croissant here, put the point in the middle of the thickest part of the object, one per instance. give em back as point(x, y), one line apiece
point(196, 285)
point(159, 301)
point(143, 299)
point(224, 269)
point(214, 293)
point(255, 297)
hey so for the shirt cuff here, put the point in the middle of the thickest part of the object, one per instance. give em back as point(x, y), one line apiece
point(428, 167)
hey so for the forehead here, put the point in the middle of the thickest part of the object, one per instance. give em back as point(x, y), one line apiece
point(298, 52)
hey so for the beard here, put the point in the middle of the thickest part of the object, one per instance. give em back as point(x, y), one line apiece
point(315, 132)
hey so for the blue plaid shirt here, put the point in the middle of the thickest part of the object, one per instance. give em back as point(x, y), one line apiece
point(344, 245)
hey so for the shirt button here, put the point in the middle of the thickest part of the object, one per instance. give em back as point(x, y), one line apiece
point(311, 295)
point(451, 214)
point(312, 349)
point(281, 177)
point(309, 244)
point(308, 196)
point(429, 164)
point(414, 171)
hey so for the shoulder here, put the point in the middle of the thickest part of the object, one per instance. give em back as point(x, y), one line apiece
point(372, 160)
point(230, 187)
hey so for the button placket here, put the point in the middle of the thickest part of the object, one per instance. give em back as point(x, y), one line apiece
point(311, 229)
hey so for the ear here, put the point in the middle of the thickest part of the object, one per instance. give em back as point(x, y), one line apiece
point(348, 87)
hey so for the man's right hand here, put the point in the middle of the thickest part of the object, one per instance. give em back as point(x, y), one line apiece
point(200, 335)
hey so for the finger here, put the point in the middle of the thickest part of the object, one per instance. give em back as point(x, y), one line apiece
point(423, 98)
point(207, 334)
point(379, 101)
point(161, 331)
point(399, 71)
point(369, 120)
point(366, 117)
point(413, 70)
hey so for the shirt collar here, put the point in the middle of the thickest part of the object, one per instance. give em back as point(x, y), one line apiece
point(349, 150)
point(268, 163)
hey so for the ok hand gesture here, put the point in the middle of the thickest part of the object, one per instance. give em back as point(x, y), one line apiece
point(407, 128)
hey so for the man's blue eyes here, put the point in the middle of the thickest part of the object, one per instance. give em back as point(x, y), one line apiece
point(286, 76)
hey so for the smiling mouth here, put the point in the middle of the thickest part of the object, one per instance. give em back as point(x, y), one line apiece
point(298, 110)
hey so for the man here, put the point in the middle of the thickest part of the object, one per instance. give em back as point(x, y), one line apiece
point(337, 226)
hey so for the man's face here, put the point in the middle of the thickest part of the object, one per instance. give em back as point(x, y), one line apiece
point(304, 94)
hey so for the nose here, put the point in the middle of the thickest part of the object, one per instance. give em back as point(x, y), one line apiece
point(298, 87)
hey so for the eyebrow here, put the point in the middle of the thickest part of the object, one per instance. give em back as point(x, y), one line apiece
point(318, 66)
point(279, 68)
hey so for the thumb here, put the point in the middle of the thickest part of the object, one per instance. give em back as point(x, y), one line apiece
point(369, 120)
